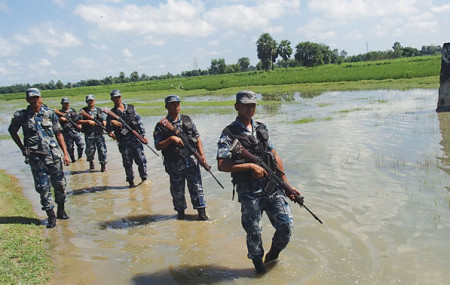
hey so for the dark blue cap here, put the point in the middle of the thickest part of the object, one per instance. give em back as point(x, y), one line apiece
point(172, 98)
point(33, 92)
point(115, 93)
point(90, 97)
point(246, 97)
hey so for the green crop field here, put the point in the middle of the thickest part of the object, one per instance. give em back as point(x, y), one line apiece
point(404, 73)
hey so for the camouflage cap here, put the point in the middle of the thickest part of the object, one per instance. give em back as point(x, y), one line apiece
point(115, 93)
point(90, 97)
point(246, 97)
point(172, 98)
point(33, 92)
point(65, 100)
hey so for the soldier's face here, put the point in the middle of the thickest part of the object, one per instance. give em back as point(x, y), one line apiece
point(65, 106)
point(173, 107)
point(117, 100)
point(90, 103)
point(245, 110)
point(35, 101)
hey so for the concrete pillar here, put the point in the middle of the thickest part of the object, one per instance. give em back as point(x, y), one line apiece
point(443, 104)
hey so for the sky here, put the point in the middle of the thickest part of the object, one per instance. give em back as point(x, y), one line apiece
point(68, 40)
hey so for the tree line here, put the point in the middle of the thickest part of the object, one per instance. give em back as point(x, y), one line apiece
point(271, 55)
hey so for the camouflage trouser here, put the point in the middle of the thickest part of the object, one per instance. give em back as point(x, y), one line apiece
point(71, 137)
point(133, 151)
point(279, 213)
point(46, 175)
point(95, 142)
point(177, 186)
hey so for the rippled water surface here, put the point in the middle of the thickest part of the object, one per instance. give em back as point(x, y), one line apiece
point(373, 165)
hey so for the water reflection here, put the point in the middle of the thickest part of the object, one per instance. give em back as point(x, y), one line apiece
point(376, 171)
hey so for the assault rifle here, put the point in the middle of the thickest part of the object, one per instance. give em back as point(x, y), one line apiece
point(128, 128)
point(61, 114)
point(179, 133)
point(238, 149)
point(85, 114)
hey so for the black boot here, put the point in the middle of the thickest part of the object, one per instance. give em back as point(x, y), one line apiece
point(131, 184)
point(259, 266)
point(91, 165)
point(103, 167)
point(51, 222)
point(61, 212)
point(180, 215)
point(72, 157)
point(273, 253)
point(202, 214)
point(80, 153)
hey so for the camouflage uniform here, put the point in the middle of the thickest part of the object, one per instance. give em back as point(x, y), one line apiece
point(254, 200)
point(129, 145)
point(72, 134)
point(93, 136)
point(181, 165)
point(45, 157)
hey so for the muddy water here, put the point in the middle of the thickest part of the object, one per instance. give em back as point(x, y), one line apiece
point(373, 165)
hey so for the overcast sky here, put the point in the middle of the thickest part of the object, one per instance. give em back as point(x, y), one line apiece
point(68, 40)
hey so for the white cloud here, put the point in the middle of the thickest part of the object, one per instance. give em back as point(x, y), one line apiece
point(127, 53)
point(59, 3)
point(186, 18)
point(48, 36)
point(44, 62)
point(150, 40)
point(441, 9)
point(7, 48)
point(84, 63)
point(354, 9)
point(171, 18)
point(4, 5)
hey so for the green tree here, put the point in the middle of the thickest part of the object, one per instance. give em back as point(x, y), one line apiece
point(267, 50)
point(244, 63)
point(285, 51)
point(134, 76)
point(312, 54)
point(59, 84)
point(122, 76)
point(396, 46)
point(218, 66)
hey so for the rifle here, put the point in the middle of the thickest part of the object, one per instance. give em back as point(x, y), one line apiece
point(238, 149)
point(164, 122)
point(85, 114)
point(128, 128)
point(61, 114)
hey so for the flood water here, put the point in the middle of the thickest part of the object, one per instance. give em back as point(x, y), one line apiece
point(373, 165)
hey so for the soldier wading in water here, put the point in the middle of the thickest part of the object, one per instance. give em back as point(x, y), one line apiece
point(42, 135)
point(250, 181)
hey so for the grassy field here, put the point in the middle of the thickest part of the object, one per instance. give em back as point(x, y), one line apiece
point(404, 73)
point(25, 257)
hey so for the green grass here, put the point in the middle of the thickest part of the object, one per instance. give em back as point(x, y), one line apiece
point(25, 257)
point(304, 121)
point(404, 73)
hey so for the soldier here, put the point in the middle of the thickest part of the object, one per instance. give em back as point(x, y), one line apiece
point(42, 135)
point(179, 163)
point(92, 126)
point(71, 130)
point(129, 145)
point(249, 181)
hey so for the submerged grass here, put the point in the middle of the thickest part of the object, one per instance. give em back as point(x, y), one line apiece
point(25, 258)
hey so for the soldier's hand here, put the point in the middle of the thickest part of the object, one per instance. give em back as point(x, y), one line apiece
point(177, 140)
point(258, 171)
point(146, 140)
point(112, 135)
point(66, 160)
point(63, 119)
point(92, 123)
point(116, 123)
point(298, 194)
